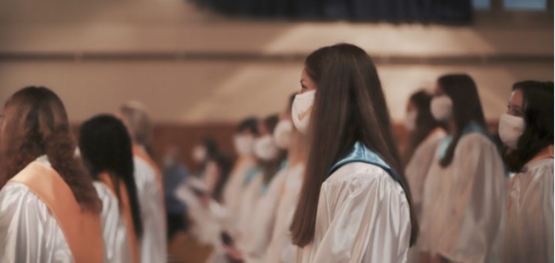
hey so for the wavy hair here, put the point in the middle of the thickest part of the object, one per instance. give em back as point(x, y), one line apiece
point(36, 124)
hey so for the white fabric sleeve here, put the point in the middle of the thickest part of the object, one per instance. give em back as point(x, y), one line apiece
point(29, 233)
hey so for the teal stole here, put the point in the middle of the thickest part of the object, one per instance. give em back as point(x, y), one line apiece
point(470, 128)
point(361, 154)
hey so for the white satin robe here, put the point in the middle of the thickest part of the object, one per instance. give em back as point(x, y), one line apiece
point(529, 231)
point(282, 249)
point(249, 198)
point(114, 231)
point(464, 204)
point(232, 192)
point(363, 216)
point(416, 172)
point(29, 233)
point(256, 241)
point(153, 244)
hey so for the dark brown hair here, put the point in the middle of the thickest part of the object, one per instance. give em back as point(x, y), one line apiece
point(106, 147)
point(425, 122)
point(467, 108)
point(538, 116)
point(36, 124)
point(349, 106)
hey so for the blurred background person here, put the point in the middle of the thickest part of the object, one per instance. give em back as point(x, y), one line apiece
point(243, 141)
point(466, 179)
point(424, 135)
point(49, 209)
point(214, 167)
point(105, 148)
point(149, 182)
point(281, 248)
point(526, 129)
point(355, 204)
point(175, 173)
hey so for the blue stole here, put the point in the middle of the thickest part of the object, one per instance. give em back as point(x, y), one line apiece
point(470, 128)
point(251, 173)
point(361, 154)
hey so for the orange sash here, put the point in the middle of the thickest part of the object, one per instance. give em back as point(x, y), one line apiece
point(546, 153)
point(127, 215)
point(81, 229)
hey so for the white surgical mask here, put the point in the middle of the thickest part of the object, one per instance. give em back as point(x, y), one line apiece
point(199, 154)
point(510, 129)
point(302, 106)
point(441, 107)
point(283, 133)
point(265, 148)
point(244, 144)
point(410, 120)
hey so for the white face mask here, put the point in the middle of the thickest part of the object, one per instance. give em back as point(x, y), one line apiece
point(199, 154)
point(410, 120)
point(302, 106)
point(243, 144)
point(265, 148)
point(510, 129)
point(283, 133)
point(441, 108)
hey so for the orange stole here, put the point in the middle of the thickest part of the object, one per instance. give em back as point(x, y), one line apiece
point(81, 229)
point(127, 215)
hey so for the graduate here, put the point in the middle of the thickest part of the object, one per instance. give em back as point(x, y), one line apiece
point(465, 190)
point(148, 180)
point(245, 135)
point(425, 134)
point(526, 129)
point(271, 160)
point(49, 209)
point(106, 150)
point(354, 204)
point(257, 240)
point(281, 248)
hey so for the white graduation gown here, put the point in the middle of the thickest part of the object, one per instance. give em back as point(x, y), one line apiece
point(246, 208)
point(114, 231)
point(464, 203)
point(282, 249)
point(256, 241)
point(363, 216)
point(153, 243)
point(529, 231)
point(416, 171)
point(28, 231)
point(232, 192)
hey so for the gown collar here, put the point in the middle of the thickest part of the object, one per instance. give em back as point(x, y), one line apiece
point(360, 153)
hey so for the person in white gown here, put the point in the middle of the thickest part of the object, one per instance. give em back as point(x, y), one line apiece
point(526, 129)
point(465, 190)
point(281, 248)
point(425, 134)
point(106, 151)
point(354, 204)
point(49, 209)
point(148, 180)
point(247, 130)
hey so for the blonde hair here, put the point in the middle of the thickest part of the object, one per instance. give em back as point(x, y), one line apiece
point(135, 116)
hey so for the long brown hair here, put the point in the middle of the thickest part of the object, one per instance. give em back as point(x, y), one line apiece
point(36, 124)
point(349, 106)
point(467, 108)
